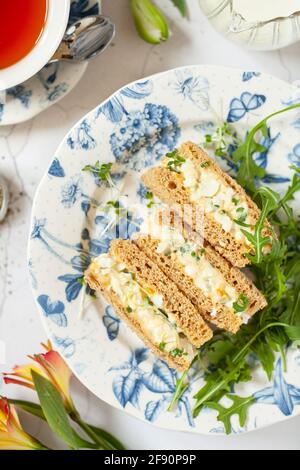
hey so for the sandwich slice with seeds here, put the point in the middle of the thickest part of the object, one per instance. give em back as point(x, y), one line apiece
point(149, 302)
point(189, 177)
point(222, 294)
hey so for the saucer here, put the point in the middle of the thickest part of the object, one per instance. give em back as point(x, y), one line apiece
point(51, 84)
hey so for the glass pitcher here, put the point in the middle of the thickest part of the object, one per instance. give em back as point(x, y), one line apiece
point(255, 24)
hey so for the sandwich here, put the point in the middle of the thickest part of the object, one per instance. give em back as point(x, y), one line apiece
point(149, 302)
point(224, 296)
point(189, 177)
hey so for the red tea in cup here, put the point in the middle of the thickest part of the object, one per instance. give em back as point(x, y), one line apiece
point(21, 25)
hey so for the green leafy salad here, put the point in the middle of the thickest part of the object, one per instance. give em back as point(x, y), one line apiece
point(225, 358)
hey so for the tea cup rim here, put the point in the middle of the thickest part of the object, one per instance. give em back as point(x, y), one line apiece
point(52, 34)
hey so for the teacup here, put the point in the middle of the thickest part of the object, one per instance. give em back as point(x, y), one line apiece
point(17, 68)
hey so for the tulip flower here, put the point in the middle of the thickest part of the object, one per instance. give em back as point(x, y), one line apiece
point(48, 367)
point(12, 436)
point(51, 366)
point(149, 21)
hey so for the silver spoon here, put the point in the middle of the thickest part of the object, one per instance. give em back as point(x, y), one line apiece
point(85, 39)
point(4, 197)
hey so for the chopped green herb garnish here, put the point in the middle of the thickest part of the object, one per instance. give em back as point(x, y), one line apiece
point(194, 255)
point(205, 164)
point(162, 346)
point(148, 300)
point(176, 352)
point(175, 160)
point(241, 304)
point(235, 201)
point(128, 309)
point(242, 212)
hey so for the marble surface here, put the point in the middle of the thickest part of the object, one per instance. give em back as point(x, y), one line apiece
point(25, 152)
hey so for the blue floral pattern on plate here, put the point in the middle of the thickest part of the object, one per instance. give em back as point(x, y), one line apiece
point(131, 130)
point(129, 385)
point(281, 394)
point(52, 83)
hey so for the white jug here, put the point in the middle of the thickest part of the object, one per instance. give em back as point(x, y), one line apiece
point(255, 24)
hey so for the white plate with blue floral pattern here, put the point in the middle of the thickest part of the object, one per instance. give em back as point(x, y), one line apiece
point(51, 84)
point(133, 129)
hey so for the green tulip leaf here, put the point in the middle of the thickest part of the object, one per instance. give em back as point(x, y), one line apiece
point(55, 413)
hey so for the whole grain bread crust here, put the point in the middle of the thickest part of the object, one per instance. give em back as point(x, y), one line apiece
point(180, 363)
point(149, 275)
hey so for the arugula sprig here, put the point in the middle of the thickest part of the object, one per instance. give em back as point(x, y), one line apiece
point(239, 407)
point(258, 239)
point(233, 368)
point(248, 170)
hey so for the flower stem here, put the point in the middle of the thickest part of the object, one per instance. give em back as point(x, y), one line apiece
point(100, 443)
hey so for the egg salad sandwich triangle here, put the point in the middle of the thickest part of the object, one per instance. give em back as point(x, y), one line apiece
point(149, 302)
point(189, 177)
point(224, 296)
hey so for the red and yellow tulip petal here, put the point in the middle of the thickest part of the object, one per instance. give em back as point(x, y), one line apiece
point(11, 443)
point(9, 380)
point(12, 436)
point(24, 372)
point(58, 372)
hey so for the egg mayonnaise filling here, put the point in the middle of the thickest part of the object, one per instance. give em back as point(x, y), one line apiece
point(217, 198)
point(204, 275)
point(191, 257)
point(144, 306)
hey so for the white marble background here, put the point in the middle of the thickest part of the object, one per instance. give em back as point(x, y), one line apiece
point(27, 149)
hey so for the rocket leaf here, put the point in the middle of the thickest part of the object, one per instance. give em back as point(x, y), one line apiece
point(239, 407)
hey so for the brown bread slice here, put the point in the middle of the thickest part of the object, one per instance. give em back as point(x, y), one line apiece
point(169, 187)
point(149, 275)
point(224, 316)
point(98, 284)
